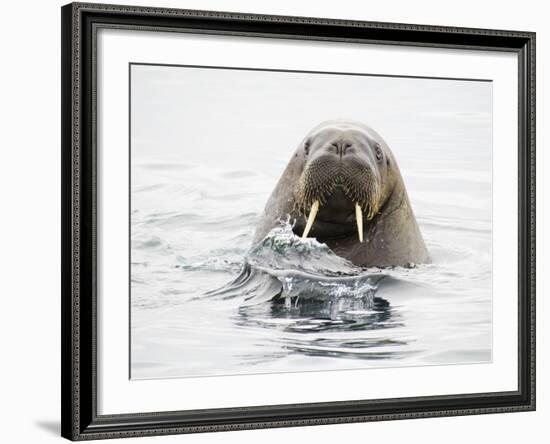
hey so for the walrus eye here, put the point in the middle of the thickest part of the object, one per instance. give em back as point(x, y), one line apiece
point(378, 152)
point(306, 147)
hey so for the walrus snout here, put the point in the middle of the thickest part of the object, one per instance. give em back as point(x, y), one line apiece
point(338, 187)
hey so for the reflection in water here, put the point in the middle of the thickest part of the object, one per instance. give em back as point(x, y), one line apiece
point(306, 320)
point(319, 315)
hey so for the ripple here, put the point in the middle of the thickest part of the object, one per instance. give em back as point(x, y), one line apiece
point(204, 302)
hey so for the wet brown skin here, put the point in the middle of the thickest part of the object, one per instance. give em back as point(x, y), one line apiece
point(341, 163)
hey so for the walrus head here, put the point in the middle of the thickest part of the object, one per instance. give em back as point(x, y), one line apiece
point(346, 179)
point(343, 186)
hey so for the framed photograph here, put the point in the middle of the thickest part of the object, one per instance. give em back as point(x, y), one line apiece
point(275, 221)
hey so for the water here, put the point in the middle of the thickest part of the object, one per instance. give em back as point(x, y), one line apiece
point(201, 293)
point(201, 296)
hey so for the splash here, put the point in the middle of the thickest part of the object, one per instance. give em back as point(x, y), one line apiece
point(284, 266)
point(281, 249)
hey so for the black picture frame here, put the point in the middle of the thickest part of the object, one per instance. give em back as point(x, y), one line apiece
point(80, 419)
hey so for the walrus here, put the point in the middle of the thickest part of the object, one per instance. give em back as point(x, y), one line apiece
point(343, 187)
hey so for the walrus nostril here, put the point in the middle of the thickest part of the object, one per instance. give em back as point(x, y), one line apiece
point(340, 148)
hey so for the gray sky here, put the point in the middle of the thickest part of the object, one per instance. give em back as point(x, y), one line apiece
point(223, 116)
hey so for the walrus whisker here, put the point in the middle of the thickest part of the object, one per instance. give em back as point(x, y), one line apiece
point(311, 218)
point(359, 218)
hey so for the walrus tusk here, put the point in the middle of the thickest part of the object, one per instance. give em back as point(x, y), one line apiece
point(359, 218)
point(311, 218)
